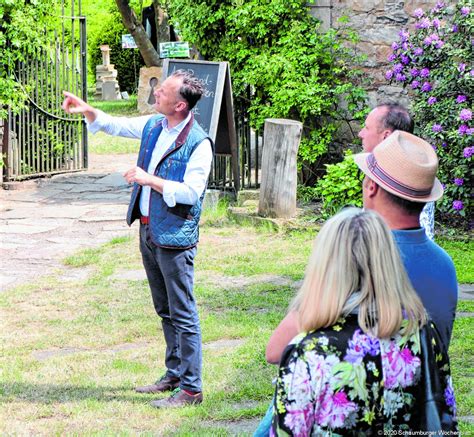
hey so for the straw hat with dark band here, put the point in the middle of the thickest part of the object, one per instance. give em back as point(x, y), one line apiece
point(405, 166)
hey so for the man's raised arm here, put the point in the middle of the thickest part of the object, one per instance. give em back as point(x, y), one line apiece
point(75, 105)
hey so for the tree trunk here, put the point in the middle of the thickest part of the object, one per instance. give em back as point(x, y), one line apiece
point(161, 18)
point(131, 22)
point(279, 174)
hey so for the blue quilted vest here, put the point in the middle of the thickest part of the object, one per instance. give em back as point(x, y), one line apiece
point(176, 227)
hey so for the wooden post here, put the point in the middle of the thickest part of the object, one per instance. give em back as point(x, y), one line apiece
point(279, 174)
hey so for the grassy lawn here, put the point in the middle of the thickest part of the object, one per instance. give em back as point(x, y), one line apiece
point(462, 253)
point(122, 108)
point(103, 144)
point(74, 350)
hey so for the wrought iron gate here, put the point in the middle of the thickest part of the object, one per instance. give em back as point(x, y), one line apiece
point(41, 139)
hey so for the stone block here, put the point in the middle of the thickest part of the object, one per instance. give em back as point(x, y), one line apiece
point(393, 94)
point(110, 91)
point(382, 53)
point(367, 5)
point(211, 199)
point(410, 5)
point(380, 34)
point(369, 49)
point(105, 68)
point(149, 78)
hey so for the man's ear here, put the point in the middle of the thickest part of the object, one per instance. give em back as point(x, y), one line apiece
point(387, 133)
point(372, 188)
point(181, 106)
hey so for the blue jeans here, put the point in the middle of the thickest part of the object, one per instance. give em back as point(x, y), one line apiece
point(263, 429)
point(170, 274)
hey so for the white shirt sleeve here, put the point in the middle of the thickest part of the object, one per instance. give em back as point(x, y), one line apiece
point(195, 178)
point(118, 126)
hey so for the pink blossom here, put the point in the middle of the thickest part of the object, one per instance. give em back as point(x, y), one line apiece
point(404, 34)
point(299, 420)
point(465, 114)
point(468, 152)
point(427, 41)
point(400, 367)
point(418, 13)
point(418, 51)
point(463, 129)
point(334, 409)
point(424, 23)
point(426, 87)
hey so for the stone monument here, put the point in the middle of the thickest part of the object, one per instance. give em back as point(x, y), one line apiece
point(107, 87)
point(150, 77)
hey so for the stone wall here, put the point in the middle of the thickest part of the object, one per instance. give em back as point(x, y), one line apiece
point(377, 22)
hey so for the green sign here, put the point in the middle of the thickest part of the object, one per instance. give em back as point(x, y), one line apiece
point(176, 49)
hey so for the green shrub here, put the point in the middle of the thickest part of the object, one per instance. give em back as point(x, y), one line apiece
point(341, 186)
point(24, 27)
point(294, 69)
point(127, 62)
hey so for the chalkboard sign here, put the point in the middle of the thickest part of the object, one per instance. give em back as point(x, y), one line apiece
point(214, 111)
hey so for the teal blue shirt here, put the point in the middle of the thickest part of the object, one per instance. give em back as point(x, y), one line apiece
point(433, 276)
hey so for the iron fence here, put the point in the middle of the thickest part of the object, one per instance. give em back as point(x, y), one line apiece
point(40, 139)
point(250, 144)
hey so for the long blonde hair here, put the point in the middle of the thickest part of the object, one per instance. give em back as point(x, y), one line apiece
point(355, 252)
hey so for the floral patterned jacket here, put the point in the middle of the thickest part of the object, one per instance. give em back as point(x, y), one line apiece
point(340, 381)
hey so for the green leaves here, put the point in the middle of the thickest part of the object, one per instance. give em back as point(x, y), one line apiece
point(294, 70)
point(22, 30)
point(341, 186)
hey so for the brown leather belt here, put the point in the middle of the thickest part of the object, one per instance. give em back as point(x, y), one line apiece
point(144, 220)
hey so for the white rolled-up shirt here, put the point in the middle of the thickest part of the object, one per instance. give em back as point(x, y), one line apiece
point(197, 169)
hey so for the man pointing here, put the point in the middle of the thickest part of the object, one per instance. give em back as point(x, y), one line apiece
point(169, 180)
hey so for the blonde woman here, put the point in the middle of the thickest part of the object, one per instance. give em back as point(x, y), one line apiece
point(356, 367)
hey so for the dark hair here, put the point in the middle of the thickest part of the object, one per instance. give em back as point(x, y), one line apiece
point(410, 207)
point(396, 117)
point(191, 89)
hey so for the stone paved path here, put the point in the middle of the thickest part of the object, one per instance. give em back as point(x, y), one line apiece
point(43, 221)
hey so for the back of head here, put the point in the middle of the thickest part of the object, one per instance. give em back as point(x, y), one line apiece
point(405, 166)
point(191, 89)
point(396, 117)
point(355, 252)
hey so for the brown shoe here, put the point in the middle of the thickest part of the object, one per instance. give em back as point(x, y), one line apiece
point(165, 383)
point(178, 399)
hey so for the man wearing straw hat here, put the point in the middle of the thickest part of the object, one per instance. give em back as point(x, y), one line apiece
point(379, 124)
point(400, 180)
